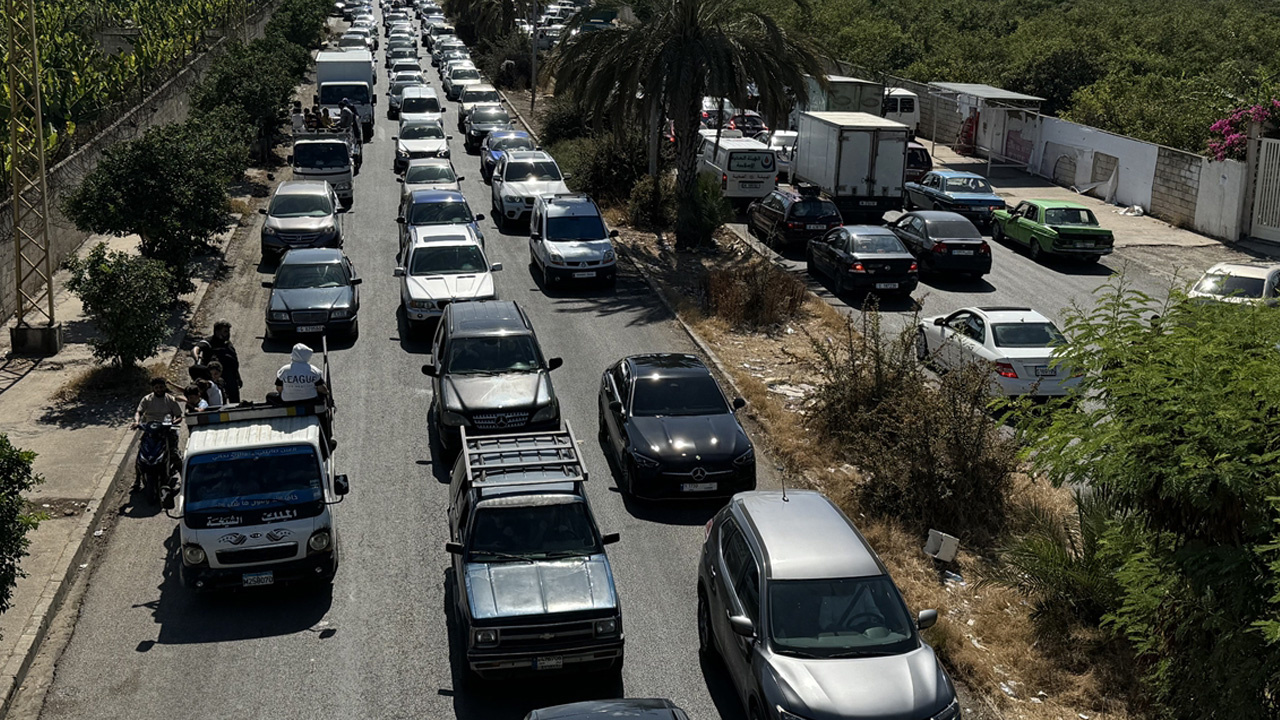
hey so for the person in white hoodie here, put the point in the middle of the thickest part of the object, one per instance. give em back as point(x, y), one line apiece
point(300, 381)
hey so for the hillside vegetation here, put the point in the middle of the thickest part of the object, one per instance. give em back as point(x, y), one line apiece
point(1158, 70)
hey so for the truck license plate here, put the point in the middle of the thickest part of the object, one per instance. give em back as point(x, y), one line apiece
point(867, 203)
point(815, 227)
point(749, 185)
point(550, 662)
point(963, 252)
point(886, 286)
point(310, 328)
point(1046, 371)
point(697, 487)
point(585, 274)
point(258, 578)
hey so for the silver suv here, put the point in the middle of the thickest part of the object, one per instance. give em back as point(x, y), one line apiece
point(568, 240)
point(302, 214)
point(807, 620)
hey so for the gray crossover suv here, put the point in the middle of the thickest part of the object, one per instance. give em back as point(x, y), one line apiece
point(807, 620)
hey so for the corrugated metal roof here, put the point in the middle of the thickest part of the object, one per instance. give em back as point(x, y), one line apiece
point(860, 119)
point(986, 92)
point(254, 433)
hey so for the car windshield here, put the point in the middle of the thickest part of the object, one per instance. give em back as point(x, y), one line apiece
point(403, 52)
point(877, 244)
point(511, 143)
point(352, 41)
point(465, 74)
point(814, 208)
point(449, 260)
point(425, 174)
point(968, 185)
point(681, 395)
point(313, 275)
point(251, 479)
point(478, 96)
point(294, 206)
point(541, 530)
point(321, 155)
point(333, 94)
point(1026, 335)
point(398, 87)
point(587, 227)
point(532, 170)
point(1225, 285)
point(757, 161)
point(1069, 216)
point(425, 131)
point(420, 105)
point(783, 141)
point(953, 229)
point(844, 617)
point(489, 115)
point(440, 213)
point(486, 355)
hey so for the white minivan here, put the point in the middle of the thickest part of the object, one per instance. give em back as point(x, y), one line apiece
point(902, 106)
point(747, 169)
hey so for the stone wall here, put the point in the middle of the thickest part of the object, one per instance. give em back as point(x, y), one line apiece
point(1176, 187)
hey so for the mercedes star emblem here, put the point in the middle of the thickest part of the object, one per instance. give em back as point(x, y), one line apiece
point(699, 474)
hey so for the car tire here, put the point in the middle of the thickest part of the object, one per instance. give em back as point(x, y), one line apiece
point(922, 346)
point(996, 233)
point(706, 640)
point(627, 477)
point(808, 262)
point(1034, 250)
point(353, 333)
point(602, 431)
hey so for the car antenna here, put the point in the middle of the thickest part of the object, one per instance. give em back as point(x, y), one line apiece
point(784, 485)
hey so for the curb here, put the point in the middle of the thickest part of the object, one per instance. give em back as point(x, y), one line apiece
point(528, 126)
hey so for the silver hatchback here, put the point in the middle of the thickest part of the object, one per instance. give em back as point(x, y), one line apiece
point(807, 620)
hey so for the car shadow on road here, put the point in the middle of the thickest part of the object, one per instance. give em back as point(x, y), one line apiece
point(720, 688)
point(630, 297)
point(956, 283)
point(511, 699)
point(675, 512)
point(186, 617)
point(413, 341)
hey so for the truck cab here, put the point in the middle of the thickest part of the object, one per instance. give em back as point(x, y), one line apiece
point(254, 505)
point(331, 156)
point(533, 589)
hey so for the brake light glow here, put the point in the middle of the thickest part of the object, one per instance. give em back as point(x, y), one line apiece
point(915, 267)
point(724, 181)
point(939, 248)
point(984, 248)
point(1004, 369)
point(857, 267)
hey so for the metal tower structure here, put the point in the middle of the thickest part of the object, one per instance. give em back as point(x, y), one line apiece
point(33, 261)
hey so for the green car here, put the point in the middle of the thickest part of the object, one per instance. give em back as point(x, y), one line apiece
point(1053, 227)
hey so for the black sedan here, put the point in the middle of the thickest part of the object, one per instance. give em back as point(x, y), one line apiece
point(633, 709)
point(944, 242)
point(865, 258)
point(672, 433)
point(314, 292)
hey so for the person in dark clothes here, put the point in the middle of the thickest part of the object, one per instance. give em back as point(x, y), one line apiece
point(225, 353)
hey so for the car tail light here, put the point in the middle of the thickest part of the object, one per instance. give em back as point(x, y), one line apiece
point(733, 125)
point(724, 182)
point(794, 225)
point(707, 529)
point(915, 267)
point(984, 248)
point(705, 114)
point(940, 248)
point(857, 267)
point(1004, 369)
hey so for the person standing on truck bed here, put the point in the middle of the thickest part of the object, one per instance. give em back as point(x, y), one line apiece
point(298, 119)
point(300, 381)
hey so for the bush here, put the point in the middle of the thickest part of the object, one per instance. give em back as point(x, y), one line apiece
point(16, 478)
point(257, 79)
point(643, 212)
point(127, 298)
point(710, 209)
point(930, 455)
point(607, 168)
point(563, 120)
point(221, 136)
point(754, 294)
point(300, 22)
point(493, 57)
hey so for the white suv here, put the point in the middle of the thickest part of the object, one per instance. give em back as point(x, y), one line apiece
point(519, 179)
point(568, 240)
point(442, 270)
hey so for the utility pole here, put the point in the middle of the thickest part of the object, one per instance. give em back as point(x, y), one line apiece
point(33, 261)
point(533, 74)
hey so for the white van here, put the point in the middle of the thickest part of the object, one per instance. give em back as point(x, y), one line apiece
point(902, 106)
point(747, 169)
point(253, 507)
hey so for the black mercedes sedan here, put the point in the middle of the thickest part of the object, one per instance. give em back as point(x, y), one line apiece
point(863, 258)
point(314, 292)
point(671, 432)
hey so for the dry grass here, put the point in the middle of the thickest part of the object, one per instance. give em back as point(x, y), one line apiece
point(106, 383)
point(986, 637)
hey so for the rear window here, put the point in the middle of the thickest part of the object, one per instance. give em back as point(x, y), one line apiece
point(917, 158)
point(962, 229)
point(1225, 285)
point(751, 161)
point(1069, 216)
point(814, 208)
point(1026, 335)
point(877, 245)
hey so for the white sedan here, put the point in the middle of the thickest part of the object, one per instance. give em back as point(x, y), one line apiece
point(1018, 343)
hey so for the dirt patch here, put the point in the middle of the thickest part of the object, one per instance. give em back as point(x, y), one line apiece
point(55, 508)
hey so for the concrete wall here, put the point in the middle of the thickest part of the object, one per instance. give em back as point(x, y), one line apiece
point(1220, 205)
point(1175, 189)
point(168, 104)
point(1132, 162)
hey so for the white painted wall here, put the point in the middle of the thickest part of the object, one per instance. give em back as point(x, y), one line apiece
point(1219, 210)
point(1136, 170)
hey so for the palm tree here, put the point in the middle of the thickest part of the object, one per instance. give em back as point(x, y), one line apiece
point(680, 51)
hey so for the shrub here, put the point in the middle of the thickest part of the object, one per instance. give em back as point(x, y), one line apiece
point(710, 209)
point(300, 22)
point(221, 137)
point(563, 120)
point(607, 168)
point(493, 57)
point(642, 210)
point(16, 478)
point(126, 296)
point(754, 294)
point(930, 455)
point(256, 79)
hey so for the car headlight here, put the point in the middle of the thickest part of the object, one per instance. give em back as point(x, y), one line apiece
point(320, 540)
point(644, 462)
point(193, 555)
point(746, 458)
point(340, 313)
point(951, 712)
point(606, 627)
point(788, 715)
point(342, 186)
point(402, 153)
point(484, 636)
point(453, 419)
point(422, 304)
point(609, 256)
point(268, 230)
point(444, 153)
point(547, 413)
point(278, 316)
point(329, 232)
point(512, 199)
point(557, 258)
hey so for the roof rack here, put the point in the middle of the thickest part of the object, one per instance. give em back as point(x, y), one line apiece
point(254, 411)
point(531, 458)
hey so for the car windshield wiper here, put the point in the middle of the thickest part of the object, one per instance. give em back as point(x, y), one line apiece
point(800, 653)
point(862, 653)
point(569, 553)
point(506, 556)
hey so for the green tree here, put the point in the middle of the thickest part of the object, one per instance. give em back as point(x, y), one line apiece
point(16, 478)
point(160, 187)
point(1176, 426)
point(127, 298)
point(256, 79)
point(680, 51)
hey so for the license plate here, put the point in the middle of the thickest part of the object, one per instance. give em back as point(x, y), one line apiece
point(886, 286)
point(868, 203)
point(310, 328)
point(1045, 371)
point(697, 487)
point(258, 578)
point(963, 252)
point(815, 227)
point(551, 662)
point(751, 185)
point(590, 274)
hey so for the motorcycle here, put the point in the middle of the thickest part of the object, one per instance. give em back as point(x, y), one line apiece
point(156, 464)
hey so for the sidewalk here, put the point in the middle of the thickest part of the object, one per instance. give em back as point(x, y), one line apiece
point(82, 441)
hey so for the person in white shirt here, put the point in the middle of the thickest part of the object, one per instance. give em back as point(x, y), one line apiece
point(300, 381)
point(299, 120)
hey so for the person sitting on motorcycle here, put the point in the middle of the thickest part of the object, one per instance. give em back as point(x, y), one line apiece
point(160, 406)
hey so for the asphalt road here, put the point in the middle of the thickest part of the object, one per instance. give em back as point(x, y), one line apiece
point(377, 645)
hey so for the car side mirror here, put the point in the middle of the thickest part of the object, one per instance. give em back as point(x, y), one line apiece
point(927, 619)
point(453, 548)
point(495, 267)
point(341, 485)
point(554, 363)
point(289, 159)
point(429, 369)
point(395, 137)
point(399, 272)
point(400, 220)
point(939, 321)
point(356, 281)
point(480, 217)
point(448, 137)
point(742, 625)
point(535, 235)
point(615, 406)
point(267, 284)
point(610, 538)
point(568, 175)
point(613, 233)
point(315, 99)
point(739, 403)
point(262, 211)
point(460, 178)
point(400, 180)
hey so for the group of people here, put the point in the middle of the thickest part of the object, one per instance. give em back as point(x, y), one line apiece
point(315, 118)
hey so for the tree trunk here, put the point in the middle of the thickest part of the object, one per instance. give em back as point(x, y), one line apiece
point(684, 113)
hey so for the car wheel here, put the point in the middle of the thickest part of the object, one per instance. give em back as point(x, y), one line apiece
point(808, 261)
point(353, 333)
point(922, 346)
point(706, 643)
point(602, 430)
point(1034, 250)
point(627, 473)
point(908, 203)
point(996, 233)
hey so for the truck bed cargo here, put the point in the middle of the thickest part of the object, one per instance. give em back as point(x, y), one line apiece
point(857, 159)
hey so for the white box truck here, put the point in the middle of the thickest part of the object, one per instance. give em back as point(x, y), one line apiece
point(347, 74)
point(858, 160)
point(843, 94)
